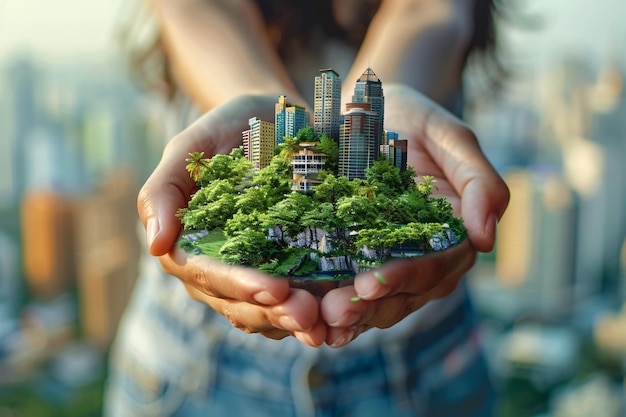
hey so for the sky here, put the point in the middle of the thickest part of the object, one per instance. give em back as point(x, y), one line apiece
point(60, 30)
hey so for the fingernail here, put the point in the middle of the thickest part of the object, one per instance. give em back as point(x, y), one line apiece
point(348, 319)
point(152, 230)
point(288, 323)
point(344, 338)
point(265, 297)
point(490, 225)
point(373, 288)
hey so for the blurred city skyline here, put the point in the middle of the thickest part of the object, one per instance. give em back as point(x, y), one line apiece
point(78, 30)
point(76, 139)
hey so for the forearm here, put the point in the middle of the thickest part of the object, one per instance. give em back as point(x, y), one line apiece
point(219, 50)
point(421, 43)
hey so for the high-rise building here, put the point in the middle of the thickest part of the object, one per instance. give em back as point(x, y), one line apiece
point(245, 142)
point(261, 148)
point(358, 144)
point(394, 149)
point(107, 256)
point(288, 119)
point(369, 89)
point(48, 242)
point(327, 102)
point(535, 245)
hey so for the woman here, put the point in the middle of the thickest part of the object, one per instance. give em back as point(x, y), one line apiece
point(232, 58)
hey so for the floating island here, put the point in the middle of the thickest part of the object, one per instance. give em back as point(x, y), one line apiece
point(295, 202)
point(331, 231)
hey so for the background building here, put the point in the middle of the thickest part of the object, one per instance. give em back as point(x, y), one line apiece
point(289, 119)
point(261, 142)
point(358, 144)
point(369, 89)
point(327, 102)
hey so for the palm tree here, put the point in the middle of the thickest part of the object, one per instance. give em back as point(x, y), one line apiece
point(367, 189)
point(195, 163)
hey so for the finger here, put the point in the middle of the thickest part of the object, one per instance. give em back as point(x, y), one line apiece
point(246, 317)
point(298, 313)
point(417, 275)
point(170, 186)
point(217, 279)
point(484, 195)
point(340, 309)
point(456, 156)
point(277, 322)
point(315, 337)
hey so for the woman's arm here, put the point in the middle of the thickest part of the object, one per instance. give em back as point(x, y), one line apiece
point(419, 43)
point(219, 50)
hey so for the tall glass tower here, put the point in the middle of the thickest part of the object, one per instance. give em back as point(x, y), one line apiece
point(327, 105)
point(369, 89)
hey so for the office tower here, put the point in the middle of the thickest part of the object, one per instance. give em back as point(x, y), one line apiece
point(245, 142)
point(358, 144)
point(369, 89)
point(107, 255)
point(327, 102)
point(48, 242)
point(395, 150)
point(399, 149)
point(261, 149)
point(288, 119)
point(535, 245)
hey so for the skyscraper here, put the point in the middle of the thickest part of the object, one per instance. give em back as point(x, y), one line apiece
point(369, 89)
point(327, 111)
point(288, 119)
point(261, 142)
point(358, 144)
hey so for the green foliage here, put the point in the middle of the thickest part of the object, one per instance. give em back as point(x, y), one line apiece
point(385, 177)
point(306, 134)
point(426, 186)
point(330, 148)
point(255, 219)
point(332, 189)
point(286, 215)
point(196, 165)
point(356, 212)
point(248, 247)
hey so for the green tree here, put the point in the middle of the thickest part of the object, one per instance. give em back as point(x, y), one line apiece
point(385, 177)
point(212, 215)
point(196, 163)
point(241, 221)
point(366, 189)
point(248, 247)
point(210, 193)
point(332, 189)
point(356, 212)
point(426, 186)
point(286, 214)
point(251, 199)
point(330, 148)
point(306, 134)
point(319, 216)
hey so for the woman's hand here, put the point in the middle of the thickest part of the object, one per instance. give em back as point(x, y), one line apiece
point(442, 146)
point(252, 301)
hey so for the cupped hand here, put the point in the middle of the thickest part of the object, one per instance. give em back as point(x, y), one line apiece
point(250, 300)
point(442, 146)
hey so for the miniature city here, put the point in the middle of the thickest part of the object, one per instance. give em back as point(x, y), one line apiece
point(294, 201)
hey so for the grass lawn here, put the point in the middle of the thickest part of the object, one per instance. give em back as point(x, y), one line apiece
point(212, 243)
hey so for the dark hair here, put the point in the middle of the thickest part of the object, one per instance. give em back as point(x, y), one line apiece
point(292, 24)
